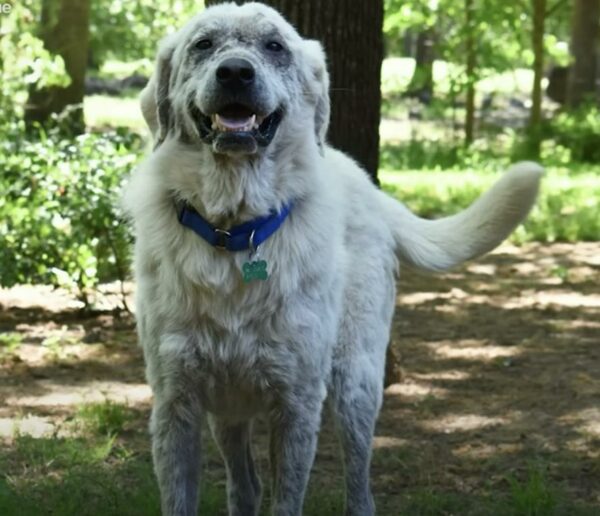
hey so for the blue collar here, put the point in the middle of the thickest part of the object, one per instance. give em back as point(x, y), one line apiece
point(248, 235)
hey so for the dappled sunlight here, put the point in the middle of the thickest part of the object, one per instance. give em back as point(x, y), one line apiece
point(487, 269)
point(34, 426)
point(44, 296)
point(452, 375)
point(472, 349)
point(585, 421)
point(381, 441)
point(481, 450)
point(468, 396)
point(413, 391)
point(56, 394)
point(462, 423)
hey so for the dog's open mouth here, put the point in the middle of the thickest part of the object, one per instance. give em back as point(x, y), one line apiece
point(238, 128)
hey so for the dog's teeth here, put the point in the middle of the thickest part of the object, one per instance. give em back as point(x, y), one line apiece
point(232, 125)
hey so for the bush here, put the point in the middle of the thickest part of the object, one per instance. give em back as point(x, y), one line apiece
point(58, 218)
point(579, 131)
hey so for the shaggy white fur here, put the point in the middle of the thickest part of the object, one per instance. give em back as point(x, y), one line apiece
point(220, 348)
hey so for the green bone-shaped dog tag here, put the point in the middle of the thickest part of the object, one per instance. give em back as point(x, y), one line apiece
point(256, 270)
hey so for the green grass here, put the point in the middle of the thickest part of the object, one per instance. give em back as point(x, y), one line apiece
point(567, 209)
point(102, 111)
point(534, 496)
point(9, 343)
point(101, 476)
point(106, 418)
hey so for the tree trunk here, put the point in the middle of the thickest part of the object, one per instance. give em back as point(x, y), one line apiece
point(352, 34)
point(584, 50)
point(64, 31)
point(535, 115)
point(471, 61)
point(421, 82)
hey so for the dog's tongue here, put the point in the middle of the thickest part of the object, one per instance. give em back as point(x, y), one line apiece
point(235, 124)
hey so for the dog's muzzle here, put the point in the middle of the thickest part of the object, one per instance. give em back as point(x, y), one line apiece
point(238, 125)
point(237, 128)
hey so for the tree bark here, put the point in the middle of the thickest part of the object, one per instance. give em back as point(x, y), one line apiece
point(471, 61)
point(421, 82)
point(535, 115)
point(64, 31)
point(584, 51)
point(352, 34)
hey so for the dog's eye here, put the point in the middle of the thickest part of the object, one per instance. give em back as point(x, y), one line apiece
point(274, 46)
point(204, 44)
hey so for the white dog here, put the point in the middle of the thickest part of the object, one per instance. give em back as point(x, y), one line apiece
point(265, 260)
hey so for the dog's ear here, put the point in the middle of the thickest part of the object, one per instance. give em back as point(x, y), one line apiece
point(154, 99)
point(318, 84)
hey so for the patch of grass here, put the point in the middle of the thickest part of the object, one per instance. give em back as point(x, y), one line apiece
point(321, 501)
point(534, 496)
point(429, 502)
point(75, 476)
point(10, 342)
point(567, 209)
point(40, 454)
point(106, 418)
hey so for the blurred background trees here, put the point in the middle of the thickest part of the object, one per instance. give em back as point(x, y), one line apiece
point(440, 87)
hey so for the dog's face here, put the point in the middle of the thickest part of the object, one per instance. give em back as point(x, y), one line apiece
point(236, 79)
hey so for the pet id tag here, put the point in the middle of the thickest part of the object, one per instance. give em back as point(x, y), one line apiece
point(254, 269)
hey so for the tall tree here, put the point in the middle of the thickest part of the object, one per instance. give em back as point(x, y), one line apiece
point(352, 33)
point(471, 62)
point(421, 83)
point(537, 40)
point(585, 32)
point(65, 31)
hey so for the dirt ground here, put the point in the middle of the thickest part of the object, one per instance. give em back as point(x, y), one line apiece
point(499, 362)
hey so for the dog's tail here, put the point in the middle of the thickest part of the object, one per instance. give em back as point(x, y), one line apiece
point(443, 243)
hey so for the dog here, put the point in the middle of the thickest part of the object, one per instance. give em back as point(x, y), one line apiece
point(265, 261)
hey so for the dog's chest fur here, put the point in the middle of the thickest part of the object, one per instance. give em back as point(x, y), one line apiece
point(239, 346)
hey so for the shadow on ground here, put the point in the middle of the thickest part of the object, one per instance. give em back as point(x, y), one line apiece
point(497, 411)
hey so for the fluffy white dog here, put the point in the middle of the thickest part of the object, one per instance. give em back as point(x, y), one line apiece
point(265, 260)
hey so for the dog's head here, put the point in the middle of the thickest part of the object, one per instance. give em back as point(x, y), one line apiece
point(236, 79)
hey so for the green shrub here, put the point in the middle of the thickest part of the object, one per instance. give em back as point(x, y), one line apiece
point(579, 131)
point(59, 223)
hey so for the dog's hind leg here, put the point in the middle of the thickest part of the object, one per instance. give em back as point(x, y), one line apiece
point(355, 398)
point(243, 484)
point(175, 429)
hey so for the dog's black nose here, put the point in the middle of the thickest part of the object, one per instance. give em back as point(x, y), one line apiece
point(235, 73)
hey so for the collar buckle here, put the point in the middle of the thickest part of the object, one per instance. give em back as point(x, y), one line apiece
point(222, 238)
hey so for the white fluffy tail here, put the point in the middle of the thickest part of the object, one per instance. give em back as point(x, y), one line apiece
point(443, 243)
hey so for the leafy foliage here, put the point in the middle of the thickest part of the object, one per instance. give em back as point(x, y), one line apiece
point(25, 63)
point(58, 218)
point(125, 30)
point(579, 132)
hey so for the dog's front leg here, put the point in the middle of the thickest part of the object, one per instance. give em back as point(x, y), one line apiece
point(293, 442)
point(175, 428)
